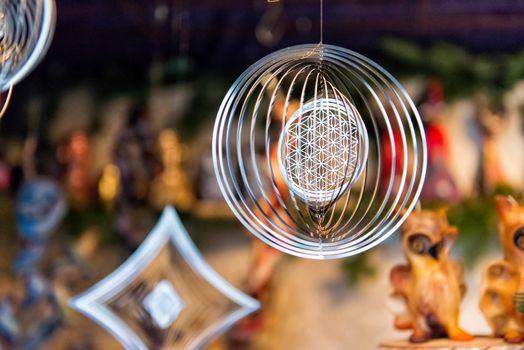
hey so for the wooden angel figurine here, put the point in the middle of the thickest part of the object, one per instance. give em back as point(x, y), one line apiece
point(502, 291)
point(430, 286)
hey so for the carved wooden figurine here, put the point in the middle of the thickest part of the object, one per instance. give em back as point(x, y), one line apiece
point(430, 285)
point(502, 292)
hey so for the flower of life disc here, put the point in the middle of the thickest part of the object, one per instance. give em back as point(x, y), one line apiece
point(323, 150)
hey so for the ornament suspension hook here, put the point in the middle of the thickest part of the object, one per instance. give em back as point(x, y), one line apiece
point(3, 108)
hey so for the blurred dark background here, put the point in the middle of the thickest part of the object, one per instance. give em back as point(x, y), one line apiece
point(125, 100)
point(94, 37)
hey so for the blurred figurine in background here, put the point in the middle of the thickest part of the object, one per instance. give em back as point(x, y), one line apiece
point(109, 185)
point(171, 186)
point(430, 286)
point(502, 292)
point(29, 310)
point(134, 156)
point(439, 185)
point(492, 123)
point(74, 155)
point(5, 174)
point(33, 302)
point(29, 313)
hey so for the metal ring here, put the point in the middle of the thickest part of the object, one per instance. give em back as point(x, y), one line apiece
point(343, 155)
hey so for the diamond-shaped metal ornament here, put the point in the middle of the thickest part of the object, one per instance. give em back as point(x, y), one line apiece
point(165, 295)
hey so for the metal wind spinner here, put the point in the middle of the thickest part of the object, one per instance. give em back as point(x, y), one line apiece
point(345, 151)
point(165, 296)
point(26, 30)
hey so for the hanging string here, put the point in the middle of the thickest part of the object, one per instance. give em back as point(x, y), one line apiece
point(6, 101)
point(321, 21)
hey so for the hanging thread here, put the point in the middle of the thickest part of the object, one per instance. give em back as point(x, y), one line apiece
point(6, 101)
point(321, 21)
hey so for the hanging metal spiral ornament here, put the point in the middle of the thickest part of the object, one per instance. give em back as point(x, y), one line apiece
point(343, 151)
point(26, 30)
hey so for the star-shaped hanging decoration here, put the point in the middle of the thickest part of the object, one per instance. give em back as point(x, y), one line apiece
point(165, 295)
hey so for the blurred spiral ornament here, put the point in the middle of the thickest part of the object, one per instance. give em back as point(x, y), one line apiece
point(344, 151)
point(26, 30)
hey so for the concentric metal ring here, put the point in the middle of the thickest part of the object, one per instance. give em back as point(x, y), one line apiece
point(26, 30)
point(384, 166)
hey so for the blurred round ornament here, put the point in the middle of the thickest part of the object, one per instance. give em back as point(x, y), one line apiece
point(271, 27)
point(26, 30)
point(326, 196)
point(40, 207)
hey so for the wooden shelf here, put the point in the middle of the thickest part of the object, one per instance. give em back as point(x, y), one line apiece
point(480, 343)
